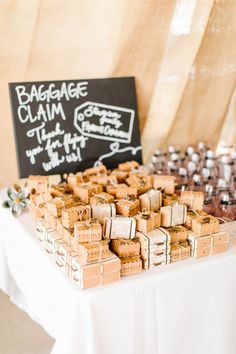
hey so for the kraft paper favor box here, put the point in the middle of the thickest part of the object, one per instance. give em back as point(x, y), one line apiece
point(56, 205)
point(37, 212)
point(101, 198)
point(140, 174)
point(95, 170)
point(37, 183)
point(96, 273)
point(86, 190)
point(173, 215)
point(155, 261)
point(128, 207)
point(99, 179)
point(74, 179)
point(95, 281)
point(101, 211)
point(154, 243)
point(192, 199)
point(192, 215)
point(123, 191)
point(131, 265)
point(128, 166)
point(119, 227)
point(178, 233)
point(152, 200)
point(60, 190)
point(170, 199)
point(110, 277)
point(165, 183)
point(111, 189)
point(142, 184)
point(40, 198)
point(93, 251)
point(50, 220)
point(220, 248)
point(41, 230)
point(199, 242)
point(59, 226)
point(67, 235)
point(51, 242)
point(125, 248)
point(179, 251)
point(147, 221)
point(120, 175)
point(206, 245)
point(136, 178)
point(87, 231)
point(71, 215)
point(203, 226)
point(220, 237)
point(54, 179)
point(103, 179)
point(63, 254)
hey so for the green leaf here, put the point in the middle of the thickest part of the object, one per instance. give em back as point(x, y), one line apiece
point(16, 210)
point(6, 204)
point(23, 193)
point(25, 203)
point(11, 193)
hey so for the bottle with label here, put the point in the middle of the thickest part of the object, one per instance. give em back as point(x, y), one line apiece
point(181, 180)
point(195, 184)
point(226, 209)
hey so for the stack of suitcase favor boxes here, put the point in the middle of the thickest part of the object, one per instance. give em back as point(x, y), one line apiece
point(101, 224)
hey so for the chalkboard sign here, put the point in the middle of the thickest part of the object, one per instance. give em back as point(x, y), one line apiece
point(67, 126)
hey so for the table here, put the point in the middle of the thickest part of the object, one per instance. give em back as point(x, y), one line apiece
point(183, 308)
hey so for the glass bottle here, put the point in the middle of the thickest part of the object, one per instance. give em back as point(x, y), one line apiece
point(196, 184)
point(181, 181)
point(226, 209)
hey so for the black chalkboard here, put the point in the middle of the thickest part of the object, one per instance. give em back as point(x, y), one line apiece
point(67, 126)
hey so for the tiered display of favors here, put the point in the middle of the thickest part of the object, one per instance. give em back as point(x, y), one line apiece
point(100, 225)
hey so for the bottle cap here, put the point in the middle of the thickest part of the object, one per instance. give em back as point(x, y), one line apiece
point(174, 157)
point(210, 164)
point(171, 149)
point(210, 154)
point(182, 171)
point(171, 165)
point(205, 172)
point(157, 152)
point(196, 178)
point(195, 157)
point(201, 145)
point(190, 150)
point(155, 159)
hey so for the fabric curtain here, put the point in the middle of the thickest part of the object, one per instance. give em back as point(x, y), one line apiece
point(181, 52)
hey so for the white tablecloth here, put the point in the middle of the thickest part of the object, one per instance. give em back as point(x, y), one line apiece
point(184, 308)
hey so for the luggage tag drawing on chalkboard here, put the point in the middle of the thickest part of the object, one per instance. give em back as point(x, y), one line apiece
point(68, 126)
point(106, 122)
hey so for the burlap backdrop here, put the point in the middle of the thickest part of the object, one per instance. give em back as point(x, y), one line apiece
point(182, 53)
